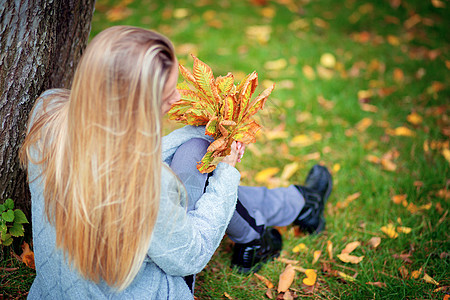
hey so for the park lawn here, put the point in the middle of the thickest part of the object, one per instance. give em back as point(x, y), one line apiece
point(361, 87)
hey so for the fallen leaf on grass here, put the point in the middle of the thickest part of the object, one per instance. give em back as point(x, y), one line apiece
point(330, 249)
point(362, 125)
point(227, 295)
point(350, 247)
point(328, 60)
point(377, 284)
point(414, 118)
point(286, 279)
point(429, 279)
point(403, 229)
point(403, 272)
point(389, 230)
point(275, 65)
point(374, 242)
point(299, 247)
point(287, 261)
point(326, 104)
point(347, 258)
point(416, 273)
point(348, 200)
point(401, 131)
point(345, 276)
point(388, 165)
point(309, 72)
point(269, 293)
point(302, 140)
point(311, 277)
point(266, 174)
point(266, 281)
point(398, 199)
point(289, 170)
point(316, 256)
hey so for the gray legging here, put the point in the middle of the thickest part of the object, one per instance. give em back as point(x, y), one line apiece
point(257, 207)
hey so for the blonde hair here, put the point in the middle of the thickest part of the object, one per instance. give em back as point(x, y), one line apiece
point(100, 153)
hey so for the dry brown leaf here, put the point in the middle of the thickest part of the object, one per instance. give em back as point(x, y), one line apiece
point(347, 258)
point(403, 272)
point(377, 284)
point(287, 261)
point(350, 247)
point(374, 242)
point(266, 281)
point(311, 277)
point(286, 279)
point(269, 293)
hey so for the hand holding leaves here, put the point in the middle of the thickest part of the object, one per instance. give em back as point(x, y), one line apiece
point(225, 109)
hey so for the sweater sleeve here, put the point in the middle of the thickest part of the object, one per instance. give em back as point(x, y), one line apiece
point(183, 243)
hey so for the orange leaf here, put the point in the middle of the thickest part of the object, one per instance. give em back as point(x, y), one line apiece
point(316, 256)
point(398, 199)
point(311, 277)
point(330, 249)
point(266, 281)
point(286, 279)
point(27, 255)
point(264, 175)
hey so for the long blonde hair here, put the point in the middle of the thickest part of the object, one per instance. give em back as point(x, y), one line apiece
point(100, 153)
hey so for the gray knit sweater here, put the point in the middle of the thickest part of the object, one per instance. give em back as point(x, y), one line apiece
point(181, 244)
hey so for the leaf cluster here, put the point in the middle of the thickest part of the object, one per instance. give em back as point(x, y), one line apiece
point(224, 108)
point(11, 221)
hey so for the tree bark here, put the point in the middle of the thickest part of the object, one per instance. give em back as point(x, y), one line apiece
point(41, 42)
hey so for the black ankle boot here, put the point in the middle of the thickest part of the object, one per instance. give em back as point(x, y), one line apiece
point(250, 256)
point(317, 189)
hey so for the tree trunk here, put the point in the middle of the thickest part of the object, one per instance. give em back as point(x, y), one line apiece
point(41, 42)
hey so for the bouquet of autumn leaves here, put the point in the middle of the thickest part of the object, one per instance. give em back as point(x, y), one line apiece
point(225, 109)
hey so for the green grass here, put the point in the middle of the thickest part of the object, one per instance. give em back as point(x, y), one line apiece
point(216, 33)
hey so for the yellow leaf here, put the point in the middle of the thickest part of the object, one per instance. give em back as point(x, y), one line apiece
point(227, 295)
point(266, 281)
point(260, 33)
point(403, 131)
point(278, 64)
point(374, 242)
point(415, 274)
point(328, 60)
point(118, 13)
point(348, 200)
point(446, 154)
point(180, 13)
point(345, 276)
point(373, 159)
point(398, 199)
point(368, 107)
point(365, 94)
point(266, 174)
point(302, 140)
point(273, 135)
point(403, 229)
point(311, 277)
point(347, 258)
point(299, 247)
point(289, 170)
point(316, 256)
point(362, 125)
point(286, 279)
point(429, 279)
point(414, 118)
point(393, 40)
point(336, 168)
point(309, 73)
point(426, 206)
point(268, 12)
point(389, 230)
point(403, 272)
point(350, 247)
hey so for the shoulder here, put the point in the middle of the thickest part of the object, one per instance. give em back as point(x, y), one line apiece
point(47, 101)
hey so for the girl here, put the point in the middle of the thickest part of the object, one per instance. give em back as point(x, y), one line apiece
point(117, 210)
